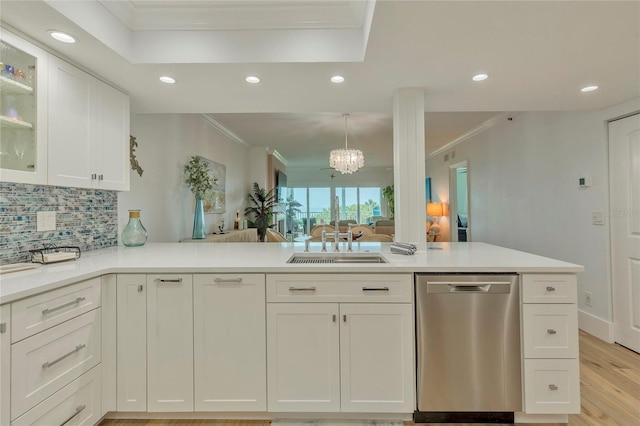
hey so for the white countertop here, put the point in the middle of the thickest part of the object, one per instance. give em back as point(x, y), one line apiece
point(270, 258)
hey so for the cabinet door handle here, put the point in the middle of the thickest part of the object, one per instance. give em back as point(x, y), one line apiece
point(551, 331)
point(169, 280)
point(67, 355)
point(3, 327)
point(549, 288)
point(100, 177)
point(375, 288)
point(228, 280)
point(140, 288)
point(302, 289)
point(334, 318)
point(66, 305)
point(344, 318)
point(94, 176)
point(79, 409)
point(553, 387)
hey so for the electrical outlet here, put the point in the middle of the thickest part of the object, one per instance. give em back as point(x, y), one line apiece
point(597, 218)
point(588, 298)
point(46, 221)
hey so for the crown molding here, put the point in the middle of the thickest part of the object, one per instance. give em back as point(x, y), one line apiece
point(496, 119)
point(208, 118)
point(280, 157)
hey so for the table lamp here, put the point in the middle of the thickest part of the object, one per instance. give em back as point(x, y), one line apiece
point(435, 210)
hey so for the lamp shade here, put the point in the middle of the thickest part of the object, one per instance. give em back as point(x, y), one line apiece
point(435, 209)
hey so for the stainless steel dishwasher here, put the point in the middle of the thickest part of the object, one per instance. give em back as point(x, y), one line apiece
point(468, 343)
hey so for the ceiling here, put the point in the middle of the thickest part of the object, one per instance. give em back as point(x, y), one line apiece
point(538, 55)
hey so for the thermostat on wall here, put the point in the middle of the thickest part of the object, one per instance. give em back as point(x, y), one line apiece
point(584, 182)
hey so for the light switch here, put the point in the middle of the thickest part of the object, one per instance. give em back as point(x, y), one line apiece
point(46, 221)
point(597, 218)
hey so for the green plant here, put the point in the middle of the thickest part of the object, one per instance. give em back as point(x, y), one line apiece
point(292, 211)
point(263, 202)
point(197, 176)
point(387, 192)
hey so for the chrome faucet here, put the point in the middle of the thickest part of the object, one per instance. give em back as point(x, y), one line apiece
point(337, 233)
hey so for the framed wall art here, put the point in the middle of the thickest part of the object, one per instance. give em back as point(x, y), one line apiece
point(214, 200)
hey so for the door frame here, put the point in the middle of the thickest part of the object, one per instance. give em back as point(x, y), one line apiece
point(453, 200)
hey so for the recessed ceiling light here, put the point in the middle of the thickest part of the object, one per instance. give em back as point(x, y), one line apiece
point(589, 89)
point(63, 37)
point(480, 77)
point(167, 79)
point(252, 79)
point(337, 79)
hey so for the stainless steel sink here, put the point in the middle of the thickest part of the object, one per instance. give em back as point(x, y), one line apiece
point(337, 258)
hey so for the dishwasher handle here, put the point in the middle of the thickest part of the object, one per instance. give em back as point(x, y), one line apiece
point(491, 287)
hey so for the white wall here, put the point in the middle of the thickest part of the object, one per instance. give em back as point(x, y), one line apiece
point(165, 143)
point(523, 183)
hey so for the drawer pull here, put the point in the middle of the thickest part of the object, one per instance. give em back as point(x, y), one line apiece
point(67, 355)
point(551, 331)
point(375, 288)
point(553, 387)
point(171, 280)
point(3, 327)
point(228, 280)
point(79, 409)
point(302, 289)
point(549, 288)
point(66, 305)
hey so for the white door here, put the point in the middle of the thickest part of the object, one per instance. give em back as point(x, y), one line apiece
point(5, 364)
point(376, 358)
point(624, 181)
point(112, 138)
point(230, 342)
point(169, 343)
point(72, 118)
point(303, 370)
point(131, 387)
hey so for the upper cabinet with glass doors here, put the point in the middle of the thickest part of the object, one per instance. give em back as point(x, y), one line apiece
point(23, 133)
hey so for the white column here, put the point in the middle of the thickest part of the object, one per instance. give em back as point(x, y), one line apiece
point(409, 165)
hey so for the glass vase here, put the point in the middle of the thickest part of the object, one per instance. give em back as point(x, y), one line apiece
point(134, 233)
point(199, 232)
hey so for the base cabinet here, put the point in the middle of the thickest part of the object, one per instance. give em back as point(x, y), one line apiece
point(229, 342)
point(5, 364)
point(169, 343)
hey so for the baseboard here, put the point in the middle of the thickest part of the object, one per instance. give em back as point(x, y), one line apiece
point(595, 326)
point(541, 418)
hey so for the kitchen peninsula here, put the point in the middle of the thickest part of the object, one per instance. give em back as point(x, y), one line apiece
point(180, 329)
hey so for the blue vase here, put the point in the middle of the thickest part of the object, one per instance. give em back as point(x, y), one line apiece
point(199, 232)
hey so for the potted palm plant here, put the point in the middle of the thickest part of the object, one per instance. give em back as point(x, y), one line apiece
point(387, 192)
point(263, 202)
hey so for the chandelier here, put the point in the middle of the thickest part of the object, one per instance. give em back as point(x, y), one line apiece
point(346, 160)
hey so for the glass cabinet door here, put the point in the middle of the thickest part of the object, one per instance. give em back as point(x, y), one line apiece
point(22, 108)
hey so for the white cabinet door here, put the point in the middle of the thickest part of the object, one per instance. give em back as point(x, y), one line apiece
point(230, 342)
point(170, 343)
point(112, 138)
point(303, 371)
point(131, 387)
point(376, 358)
point(72, 118)
point(5, 364)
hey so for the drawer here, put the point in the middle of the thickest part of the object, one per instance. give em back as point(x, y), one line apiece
point(48, 361)
point(78, 403)
point(550, 331)
point(376, 288)
point(552, 386)
point(549, 288)
point(35, 314)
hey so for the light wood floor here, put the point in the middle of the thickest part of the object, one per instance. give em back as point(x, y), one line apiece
point(609, 385)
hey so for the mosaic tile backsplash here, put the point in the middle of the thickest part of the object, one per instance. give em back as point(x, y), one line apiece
point(86, 218)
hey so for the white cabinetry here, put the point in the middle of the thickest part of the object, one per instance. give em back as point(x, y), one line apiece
point(131, 331)
point(170, 343)
point(56, 349)
point(349, 357)
point(229, 342)
point(550, 340)
point(23, 111)
point(5, 364)
point(88, 130)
